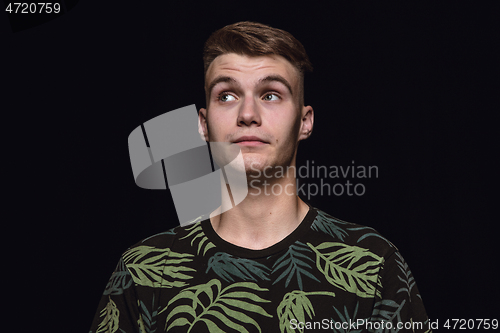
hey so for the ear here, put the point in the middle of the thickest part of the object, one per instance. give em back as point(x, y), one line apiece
point(307, 122)
point(202, 124)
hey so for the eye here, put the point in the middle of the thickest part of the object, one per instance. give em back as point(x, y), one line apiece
point(225, 97)
point(271, 97)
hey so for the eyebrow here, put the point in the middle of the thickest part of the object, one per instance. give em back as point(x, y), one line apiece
point(269, 78)
point(219, 79)
point(277, 78)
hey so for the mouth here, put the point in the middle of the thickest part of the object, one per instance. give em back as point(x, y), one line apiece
point(250, 141)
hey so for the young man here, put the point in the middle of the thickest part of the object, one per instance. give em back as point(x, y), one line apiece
point(271, 263)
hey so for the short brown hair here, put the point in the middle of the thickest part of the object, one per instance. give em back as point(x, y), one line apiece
point(256, 39)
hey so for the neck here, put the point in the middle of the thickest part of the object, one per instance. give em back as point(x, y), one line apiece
point(269, 213)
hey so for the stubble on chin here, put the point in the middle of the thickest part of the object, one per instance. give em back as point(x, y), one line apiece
point(253, 167)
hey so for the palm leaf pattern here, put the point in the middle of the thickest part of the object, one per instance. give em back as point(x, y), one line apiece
point(119, 281)
point(369, 234)
point(345, 318)
point(386, 311)
point(111, 316)
point(326, 223)
point(197, 231)
point(226, 266)
point(206, 302)
point(349, 268)
point(295, 263)
point(407, 278)
point(332, 271)
point(295, 305)
point(152, 266)
point(147, 318)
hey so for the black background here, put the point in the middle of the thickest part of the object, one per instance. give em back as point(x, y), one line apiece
point(409, 87)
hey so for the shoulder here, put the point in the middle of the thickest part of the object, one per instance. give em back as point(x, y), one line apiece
point(352, 234)
point(166, 240)
point(146, 260)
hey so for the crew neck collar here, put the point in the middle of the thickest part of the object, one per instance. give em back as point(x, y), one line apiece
point(243, 252)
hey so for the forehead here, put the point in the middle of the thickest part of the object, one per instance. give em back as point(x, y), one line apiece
point(243, 67)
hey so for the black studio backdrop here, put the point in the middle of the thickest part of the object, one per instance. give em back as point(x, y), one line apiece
point(406, 87)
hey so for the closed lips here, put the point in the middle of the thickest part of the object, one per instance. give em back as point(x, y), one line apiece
point(249, 138)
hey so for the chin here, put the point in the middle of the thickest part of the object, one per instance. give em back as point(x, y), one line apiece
point(255, 167)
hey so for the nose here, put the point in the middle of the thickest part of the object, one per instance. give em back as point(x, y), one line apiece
point(249, 113)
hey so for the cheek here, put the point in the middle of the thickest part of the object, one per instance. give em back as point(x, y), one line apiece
point(289, 129)
point(215, 127)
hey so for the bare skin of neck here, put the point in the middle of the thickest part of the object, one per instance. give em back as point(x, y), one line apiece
point(262, 219)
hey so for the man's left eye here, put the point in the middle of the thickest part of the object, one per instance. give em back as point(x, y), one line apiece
point(271, 97)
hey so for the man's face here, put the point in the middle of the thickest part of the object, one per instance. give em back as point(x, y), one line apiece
point(253, 102)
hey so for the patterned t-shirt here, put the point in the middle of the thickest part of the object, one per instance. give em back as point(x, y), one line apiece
point(326, 276)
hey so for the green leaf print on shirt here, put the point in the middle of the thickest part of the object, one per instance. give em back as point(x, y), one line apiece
point(345, 318)
point(349, 268)
point(209, 302)
point(111, 316)
point(294, 264)
point(204, 243)
point(119, 281)
point(326, 224)
point(387, 311)
point(226, 266)
point(407, 278)
point(151, 267)
point(147, 317)
point(295, 305)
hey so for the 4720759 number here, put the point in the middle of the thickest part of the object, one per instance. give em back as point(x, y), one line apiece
point(471, 324)
point(33, 8)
